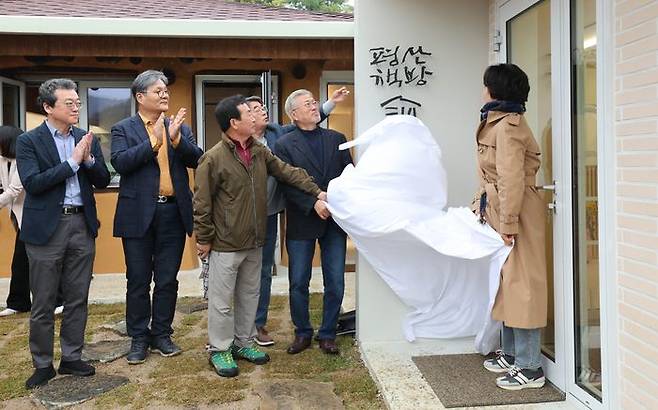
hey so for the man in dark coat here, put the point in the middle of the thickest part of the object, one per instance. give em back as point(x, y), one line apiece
point(314, 149)
point(59, 166)
point(152, 154)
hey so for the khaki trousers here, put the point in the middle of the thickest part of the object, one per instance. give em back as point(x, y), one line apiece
point(233, 291)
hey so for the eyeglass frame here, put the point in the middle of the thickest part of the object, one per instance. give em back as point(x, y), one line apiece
point(160, 93)
point(70, 104)
point(307, 104)
point(260, 107)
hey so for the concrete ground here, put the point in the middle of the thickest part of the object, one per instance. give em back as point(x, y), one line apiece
point(402, 385)
point(111, 287)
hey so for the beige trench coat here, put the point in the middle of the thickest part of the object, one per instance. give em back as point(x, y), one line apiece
point(508, 161)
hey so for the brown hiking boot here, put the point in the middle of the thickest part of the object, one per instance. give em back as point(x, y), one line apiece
point(263, 338)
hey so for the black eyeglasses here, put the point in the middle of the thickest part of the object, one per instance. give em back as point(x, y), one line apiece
point(160, 93)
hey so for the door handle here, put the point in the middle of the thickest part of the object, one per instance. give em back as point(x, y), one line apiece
point(552, 207)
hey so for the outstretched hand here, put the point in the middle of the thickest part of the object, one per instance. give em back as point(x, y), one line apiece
point(339, 95)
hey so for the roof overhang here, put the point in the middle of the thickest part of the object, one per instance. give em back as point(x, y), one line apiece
point(175, 27)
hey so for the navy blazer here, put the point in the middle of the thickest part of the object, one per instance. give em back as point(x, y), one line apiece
point(302, 222)
point(44, 176)
point(134, 159)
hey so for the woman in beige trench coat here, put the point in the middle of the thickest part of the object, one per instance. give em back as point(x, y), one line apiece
point(508, 161)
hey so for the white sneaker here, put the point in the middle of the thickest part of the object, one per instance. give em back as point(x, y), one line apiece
point(8, 312)
point(518, 379)
point(502, 363)
point(59, 310)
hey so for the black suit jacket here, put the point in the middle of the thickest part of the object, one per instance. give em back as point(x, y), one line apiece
point(301, 220)
point(134, 159)
point(44, 175)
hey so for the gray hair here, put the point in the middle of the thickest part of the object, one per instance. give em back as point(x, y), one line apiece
point(47, 90)
point(146, 79)
point(291, 100)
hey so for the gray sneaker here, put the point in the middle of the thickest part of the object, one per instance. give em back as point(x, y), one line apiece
point(519, 379)
point(502, 363)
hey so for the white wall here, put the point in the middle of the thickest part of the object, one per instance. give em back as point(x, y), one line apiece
point(455, 32)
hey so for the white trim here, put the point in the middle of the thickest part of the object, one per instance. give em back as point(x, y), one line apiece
point(175, 27)
point(563, 222)
point(607, 204)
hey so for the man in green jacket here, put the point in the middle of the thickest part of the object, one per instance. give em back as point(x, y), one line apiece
point(230, 213)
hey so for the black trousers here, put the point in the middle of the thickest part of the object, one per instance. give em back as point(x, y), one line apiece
point(154, 257)
point(19, 286)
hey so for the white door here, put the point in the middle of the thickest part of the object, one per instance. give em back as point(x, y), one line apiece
point(554, 42)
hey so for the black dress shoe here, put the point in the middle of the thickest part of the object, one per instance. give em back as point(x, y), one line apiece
point(40, 377)
point(300, 343)
point(138, 351)
point(76, 368)
point(165, 346)
point(329, 346)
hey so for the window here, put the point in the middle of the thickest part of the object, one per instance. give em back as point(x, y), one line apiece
point(105, 104)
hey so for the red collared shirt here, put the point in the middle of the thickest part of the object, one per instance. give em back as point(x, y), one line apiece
point(244, 152)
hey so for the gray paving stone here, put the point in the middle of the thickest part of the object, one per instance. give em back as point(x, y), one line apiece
point(105, 351)
point(191, 306)
point(117, 327)
point(298, 395)
point(72, 390)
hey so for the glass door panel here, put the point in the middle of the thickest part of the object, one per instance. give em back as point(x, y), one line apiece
point(103, 105)
point(528, 45)
point(585, 205)
point(11, 96)
point(12, 103)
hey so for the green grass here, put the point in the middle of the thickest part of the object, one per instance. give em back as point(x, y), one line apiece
point(188, 380)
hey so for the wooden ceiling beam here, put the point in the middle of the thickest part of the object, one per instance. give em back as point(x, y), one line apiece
point(160, 47)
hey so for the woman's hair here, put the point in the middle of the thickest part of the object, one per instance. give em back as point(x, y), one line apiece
point(507, 82)
point(8, 136)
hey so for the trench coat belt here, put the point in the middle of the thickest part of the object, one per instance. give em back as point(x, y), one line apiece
point(528, 180)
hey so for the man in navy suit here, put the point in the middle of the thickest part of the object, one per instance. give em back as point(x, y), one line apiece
point(59, 166)
point(154, 212)
point(267, 133)
point(314, 149)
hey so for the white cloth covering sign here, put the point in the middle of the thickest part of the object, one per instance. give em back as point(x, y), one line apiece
point(442, 263)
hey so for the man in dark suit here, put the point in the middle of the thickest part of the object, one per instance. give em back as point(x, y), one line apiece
point(154, 212)
point(314, 149)
point(59, 166)
point(267, 133)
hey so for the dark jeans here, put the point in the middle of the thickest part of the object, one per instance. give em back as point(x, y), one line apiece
point(266, 271)
point(300, 253)
point(19, 286)
point(155, 256)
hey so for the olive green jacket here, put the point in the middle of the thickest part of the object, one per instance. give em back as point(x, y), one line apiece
point(230, 200)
